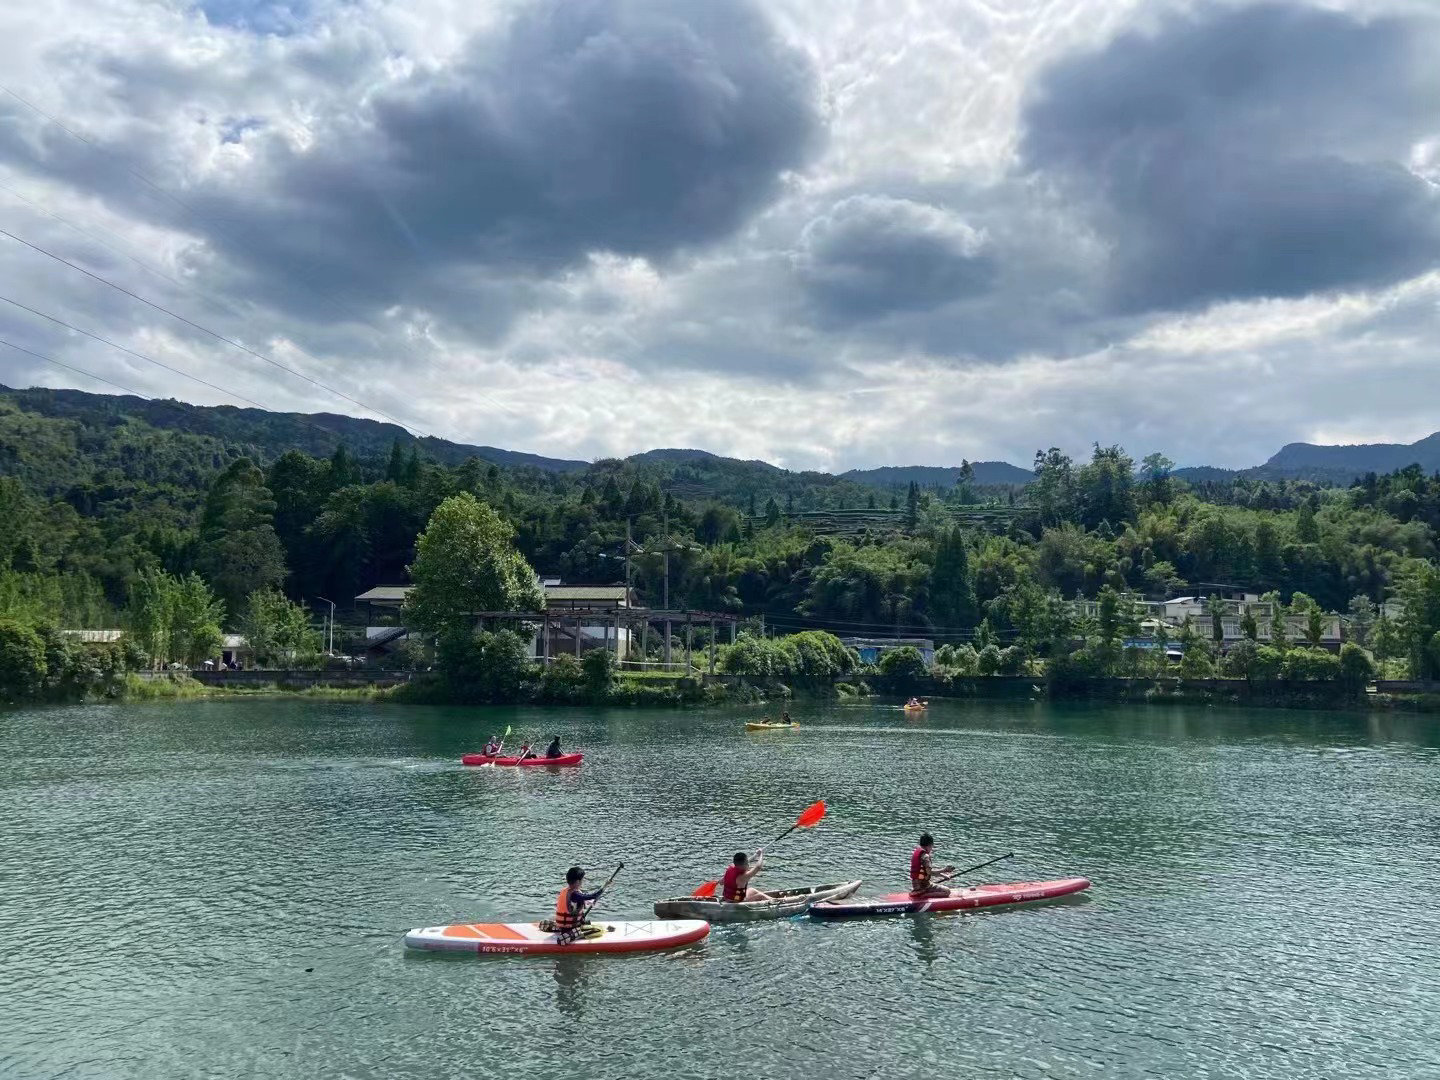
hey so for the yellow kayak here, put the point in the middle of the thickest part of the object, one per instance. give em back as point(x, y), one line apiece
point(913, 708)
point(756, 725)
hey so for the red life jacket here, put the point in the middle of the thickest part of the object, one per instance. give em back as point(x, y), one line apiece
point(919, 869)
point(731, 887)
point(565, 919)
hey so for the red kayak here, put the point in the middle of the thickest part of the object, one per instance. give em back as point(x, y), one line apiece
point(978, 896)
point(490, 759)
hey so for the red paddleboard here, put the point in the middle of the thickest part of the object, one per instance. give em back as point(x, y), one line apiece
point(523, 938)
point(977, 896)
point(488, 759)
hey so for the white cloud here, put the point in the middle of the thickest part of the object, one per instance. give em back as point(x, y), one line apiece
point(894, 293)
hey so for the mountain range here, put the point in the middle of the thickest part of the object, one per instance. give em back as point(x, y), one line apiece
point(265, 435)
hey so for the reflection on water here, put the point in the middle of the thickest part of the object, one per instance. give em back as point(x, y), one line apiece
point(170, 873)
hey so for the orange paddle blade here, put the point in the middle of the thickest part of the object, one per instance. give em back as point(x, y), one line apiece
point(708, 889)
point(811, 815)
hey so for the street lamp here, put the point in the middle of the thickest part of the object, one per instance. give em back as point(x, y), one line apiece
point(330, 627)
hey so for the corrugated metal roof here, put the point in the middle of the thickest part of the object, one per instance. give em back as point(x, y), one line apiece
point(386, 592)
point(96, 637)
point(585, 592)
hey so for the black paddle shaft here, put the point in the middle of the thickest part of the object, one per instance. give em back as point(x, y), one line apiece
point(978, 866)
point(586, 913)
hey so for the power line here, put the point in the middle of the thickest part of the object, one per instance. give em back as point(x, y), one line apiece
point(132, 352)
point(219, 228)
point(207, 330)
point(69, 367)
point(149, 360)
point(184, 286)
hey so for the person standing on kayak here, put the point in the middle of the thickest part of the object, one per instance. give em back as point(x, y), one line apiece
point(735, 882)
point(570, 904)
point(922, 875)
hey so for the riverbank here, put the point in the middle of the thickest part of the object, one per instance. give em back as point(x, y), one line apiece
point(656, 691)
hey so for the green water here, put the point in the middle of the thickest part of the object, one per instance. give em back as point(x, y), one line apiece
point(220, 889)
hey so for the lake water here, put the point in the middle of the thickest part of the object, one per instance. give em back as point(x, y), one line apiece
point(220, 889)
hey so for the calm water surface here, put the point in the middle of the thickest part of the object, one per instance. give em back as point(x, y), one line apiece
point(219, 890)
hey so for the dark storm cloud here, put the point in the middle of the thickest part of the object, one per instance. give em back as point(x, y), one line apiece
point(1247, 152)
point(872, 256)
point(630, 126)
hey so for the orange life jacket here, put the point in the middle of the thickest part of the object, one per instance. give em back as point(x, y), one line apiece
point(565, 919)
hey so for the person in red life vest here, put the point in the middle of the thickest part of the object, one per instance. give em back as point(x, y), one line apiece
point(735, 883)
point(570, 904)
point(492, 748)
point(922, 875)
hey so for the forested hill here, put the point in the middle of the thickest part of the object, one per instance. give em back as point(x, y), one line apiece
point(1358, 459)
point(261, 434)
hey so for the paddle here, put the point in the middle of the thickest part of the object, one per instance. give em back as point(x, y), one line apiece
point(591, 907)
point(499, 747)
point(978, 866)
point(812, 815)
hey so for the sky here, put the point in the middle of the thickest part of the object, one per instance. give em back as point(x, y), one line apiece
point(829, 234)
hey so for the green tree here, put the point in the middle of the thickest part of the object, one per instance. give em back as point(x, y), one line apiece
point(22, 661)
point(904, 662)
point(1159, 486)
point(466, 562)
point(952, 589)
point(1053, 490)
point(599, 668)
point(195, 615)
point(1356, 668)
point(1279, 638)
point(1362, 618)
point(1249, 628)
point(239, 550)
point(277, 630)
point(1215, 609)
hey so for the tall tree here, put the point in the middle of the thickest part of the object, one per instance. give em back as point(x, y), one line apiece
point(1053, 489)
point(239, 550)
point(466, 562)
point(952, 587)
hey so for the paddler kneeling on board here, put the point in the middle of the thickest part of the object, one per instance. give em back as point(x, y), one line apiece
point(570, 921)
point(735, 882)
point(922, 874)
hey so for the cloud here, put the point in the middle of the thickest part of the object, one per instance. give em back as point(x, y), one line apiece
point(1246, 152)
point(634, 127)
point(871, 256)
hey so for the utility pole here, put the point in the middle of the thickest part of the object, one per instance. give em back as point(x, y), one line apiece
point(665, 602)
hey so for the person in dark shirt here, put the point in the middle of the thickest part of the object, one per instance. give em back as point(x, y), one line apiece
point(570, 904)
point(553, 750)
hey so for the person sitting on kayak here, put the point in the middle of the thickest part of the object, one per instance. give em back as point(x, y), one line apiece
point(525, 751)
point(735, 883)
point(922, 875)
point(570, 921)
point(785, 718)
point(553, 750)
point(914, 703)
point(492, 748)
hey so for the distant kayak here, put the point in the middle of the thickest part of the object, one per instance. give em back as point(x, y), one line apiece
point(978, 896)
point(528, 938)
point(756, 725)
point(490, 759)
point(781, 905)
point(914, 708)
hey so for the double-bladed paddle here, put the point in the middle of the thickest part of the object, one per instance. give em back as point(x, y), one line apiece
point(812, 815)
